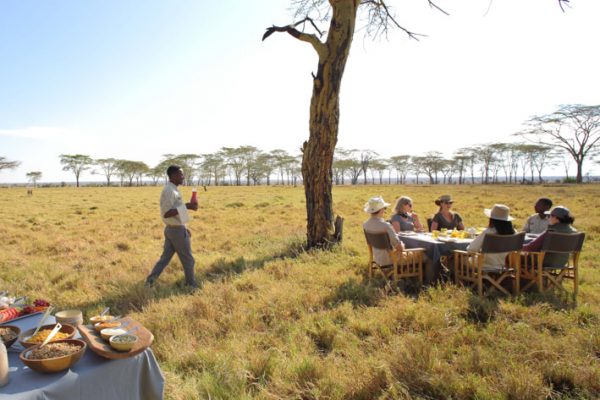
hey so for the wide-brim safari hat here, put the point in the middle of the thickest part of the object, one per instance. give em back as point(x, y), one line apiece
point(375, 204)
point(499, 212)
point(445, 198)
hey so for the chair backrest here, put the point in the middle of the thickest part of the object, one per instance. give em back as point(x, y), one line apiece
point(555, 242)
point(378, 240)
point(429, 222)
point(493, 243)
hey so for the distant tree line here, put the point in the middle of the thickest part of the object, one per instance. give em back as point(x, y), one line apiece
point(569, 135)
point(244, 165)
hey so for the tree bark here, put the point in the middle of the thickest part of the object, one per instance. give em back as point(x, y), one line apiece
point(317, 159)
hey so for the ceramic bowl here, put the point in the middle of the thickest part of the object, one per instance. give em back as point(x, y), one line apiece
point(66, 328)
point(97, 318)
point(71, 317)
point(106, 325)
point(16, 330)
point(123, 346)
point(109, 332)
point(52, 365)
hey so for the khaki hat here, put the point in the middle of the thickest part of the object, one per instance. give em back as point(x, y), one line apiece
point(375, 204)
point(445, 198)
point(499, 212)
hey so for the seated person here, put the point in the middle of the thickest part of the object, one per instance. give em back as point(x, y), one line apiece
point(538, 223)
point(376, 206)
point(444, 218)
point(499, 224)
point(404, 219)
point(560, 220)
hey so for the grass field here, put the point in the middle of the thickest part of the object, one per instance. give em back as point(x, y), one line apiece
point(273, 321)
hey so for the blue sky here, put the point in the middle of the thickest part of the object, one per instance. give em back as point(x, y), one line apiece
point(138, 79)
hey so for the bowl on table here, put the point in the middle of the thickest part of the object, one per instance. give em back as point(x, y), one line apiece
point(71, 317)
point(100, 318)
point(106, 325)
point(50, 359)
point(9, 334)
point(110, 332)
point(66, 332)
point(123, 342)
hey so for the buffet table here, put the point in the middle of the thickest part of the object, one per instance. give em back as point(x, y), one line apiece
point(93, 377)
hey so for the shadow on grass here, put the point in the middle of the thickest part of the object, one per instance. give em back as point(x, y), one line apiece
point(481, 310)
point(223, 268)
point(134, 296)
point(559, 301)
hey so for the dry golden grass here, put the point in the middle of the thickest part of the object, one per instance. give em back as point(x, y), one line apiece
point(273, 321)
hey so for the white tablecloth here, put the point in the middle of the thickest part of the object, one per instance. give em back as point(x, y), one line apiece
point(93, 377)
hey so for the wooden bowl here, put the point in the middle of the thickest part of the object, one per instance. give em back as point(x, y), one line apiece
point(57, 364)
point(16, 330)
point(66, 328)
point(126, 346)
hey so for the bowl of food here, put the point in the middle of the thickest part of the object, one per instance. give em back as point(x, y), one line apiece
point(27, 340)
point(9, 334)
point(72, 317)
point(109, 332)
point(106, 325)
point(53, 357)
point(101, 318)
point(123, 342)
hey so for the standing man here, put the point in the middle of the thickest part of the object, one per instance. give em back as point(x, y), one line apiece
point(177, 237)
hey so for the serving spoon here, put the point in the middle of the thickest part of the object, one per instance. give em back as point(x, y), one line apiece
point(48, 311)
point(52, 334)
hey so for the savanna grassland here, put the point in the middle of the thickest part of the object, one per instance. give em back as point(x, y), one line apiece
point(272, 321)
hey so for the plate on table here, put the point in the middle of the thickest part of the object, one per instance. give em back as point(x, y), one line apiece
point(407, 233)
point(8, 321)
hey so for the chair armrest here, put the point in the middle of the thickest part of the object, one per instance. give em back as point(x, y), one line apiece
point(415, 250)
point(471, 253)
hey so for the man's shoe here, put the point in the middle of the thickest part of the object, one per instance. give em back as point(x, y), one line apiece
point(150, 282)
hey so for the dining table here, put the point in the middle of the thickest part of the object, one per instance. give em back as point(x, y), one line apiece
point(91, 378)
point(435, 249)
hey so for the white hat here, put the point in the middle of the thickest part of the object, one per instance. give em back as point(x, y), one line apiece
point(375, 204)
point(499, 212)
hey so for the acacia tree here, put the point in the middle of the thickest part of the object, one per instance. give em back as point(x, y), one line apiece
point(76, 163)
point(109, 167)
point(34, 176)
point(6, 164)
point(317, 152)
point(574, 128)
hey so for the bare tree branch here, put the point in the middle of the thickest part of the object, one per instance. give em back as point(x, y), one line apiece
point(561, 2)
point(379, 17)
point(433, 5)
point(319, 46)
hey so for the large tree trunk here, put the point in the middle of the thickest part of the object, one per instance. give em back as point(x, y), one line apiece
point(317, 157)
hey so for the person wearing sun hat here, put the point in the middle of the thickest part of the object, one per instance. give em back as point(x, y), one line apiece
point(444, 218)
point(376, 206)
point(561, 221)
point(500, 223)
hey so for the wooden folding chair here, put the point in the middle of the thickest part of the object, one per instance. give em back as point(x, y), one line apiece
point(468, 266)
point(406, 264)
point(545, 271)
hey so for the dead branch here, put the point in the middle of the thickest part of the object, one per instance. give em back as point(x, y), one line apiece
point(319, 46)
point(380, 14)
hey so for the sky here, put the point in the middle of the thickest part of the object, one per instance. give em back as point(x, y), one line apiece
point(136, 79)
